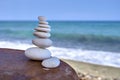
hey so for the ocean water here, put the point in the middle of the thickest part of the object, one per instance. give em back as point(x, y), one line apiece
point(95, 42)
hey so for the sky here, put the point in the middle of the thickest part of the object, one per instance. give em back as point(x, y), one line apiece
point(60, 9)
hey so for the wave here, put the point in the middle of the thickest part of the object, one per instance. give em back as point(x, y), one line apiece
point(15, 34)
point(88, 37)
point(91, 56)
point(72, 36)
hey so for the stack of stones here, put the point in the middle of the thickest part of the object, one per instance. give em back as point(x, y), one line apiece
point(42, 41)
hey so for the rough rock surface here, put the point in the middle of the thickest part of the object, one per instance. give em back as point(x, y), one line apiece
point(15, 66)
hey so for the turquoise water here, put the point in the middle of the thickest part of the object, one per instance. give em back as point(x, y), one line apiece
point(87, 27)
point(85, 34)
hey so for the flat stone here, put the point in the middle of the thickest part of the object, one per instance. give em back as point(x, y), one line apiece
point(14, 65)
point(43, 22)
point(41, 18)
point(52, 62)
point(42, 34)
point(44, 25)
point(42, 43)
point(36, 53)
point(43, 29)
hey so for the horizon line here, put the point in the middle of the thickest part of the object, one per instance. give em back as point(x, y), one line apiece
point(61, 20)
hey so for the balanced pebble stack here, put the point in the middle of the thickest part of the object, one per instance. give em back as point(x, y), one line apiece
point(42, 42)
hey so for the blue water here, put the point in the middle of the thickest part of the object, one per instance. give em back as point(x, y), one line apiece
point(85, 34)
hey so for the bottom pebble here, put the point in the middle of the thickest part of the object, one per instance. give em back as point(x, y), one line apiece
point(52, 62)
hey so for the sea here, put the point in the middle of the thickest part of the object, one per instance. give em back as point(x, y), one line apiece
point(96, 42)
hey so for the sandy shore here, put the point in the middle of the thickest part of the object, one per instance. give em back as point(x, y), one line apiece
point(98, 71)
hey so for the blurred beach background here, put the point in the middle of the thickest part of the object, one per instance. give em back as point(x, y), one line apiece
point(85, 33)
point(82, 30)
point(88, 41)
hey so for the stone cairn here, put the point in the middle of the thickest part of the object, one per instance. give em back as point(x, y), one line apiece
point(42, 41)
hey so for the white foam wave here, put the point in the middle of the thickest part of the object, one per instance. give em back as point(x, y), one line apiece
point(14, 45)
point(91, 56)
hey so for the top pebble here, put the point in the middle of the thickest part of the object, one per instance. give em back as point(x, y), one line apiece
point(41, 18)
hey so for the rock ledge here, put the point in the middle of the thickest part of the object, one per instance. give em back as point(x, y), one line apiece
point(15, 66)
